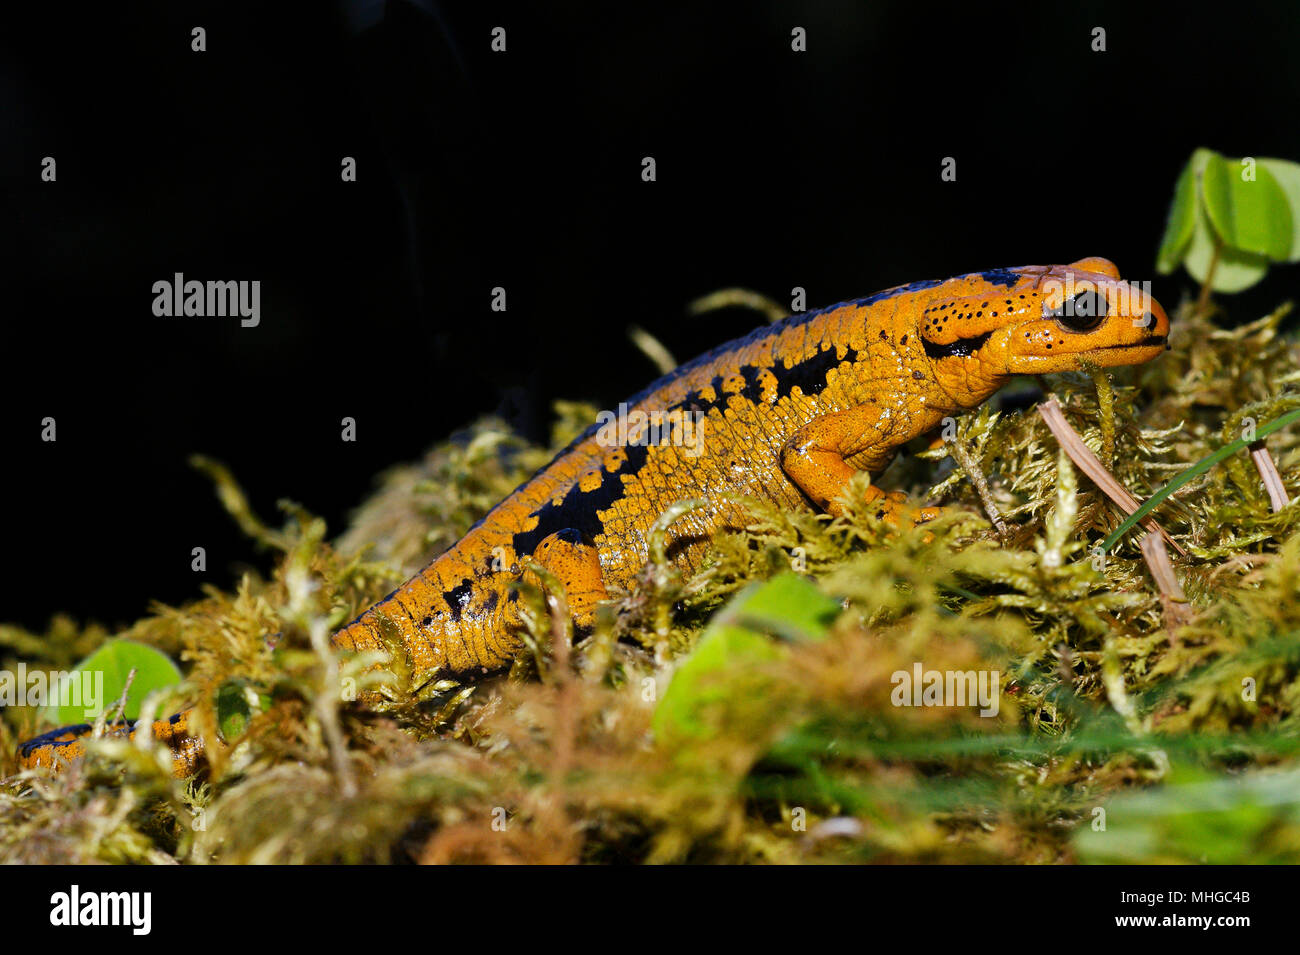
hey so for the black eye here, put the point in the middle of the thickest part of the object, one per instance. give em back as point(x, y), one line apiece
point(1082, 313)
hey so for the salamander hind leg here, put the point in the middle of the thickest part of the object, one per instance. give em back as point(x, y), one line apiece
point(576, 564)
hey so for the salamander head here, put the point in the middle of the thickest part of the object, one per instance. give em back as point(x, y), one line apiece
point(982, 328)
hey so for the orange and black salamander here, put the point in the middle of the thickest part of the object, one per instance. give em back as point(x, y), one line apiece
point(789, 413)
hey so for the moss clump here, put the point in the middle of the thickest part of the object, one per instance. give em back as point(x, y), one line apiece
point(1119, 733)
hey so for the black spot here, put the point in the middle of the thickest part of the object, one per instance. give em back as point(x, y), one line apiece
point(490, 601)
point(810, 375)
point(426, 621)
point(1001, 277)
point(579, 510)
point(917, 375)
point(961, 348)
point(458, 598)
point(695, 403)
point(753, 390)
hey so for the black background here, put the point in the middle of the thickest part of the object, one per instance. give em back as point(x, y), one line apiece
point(522, 169)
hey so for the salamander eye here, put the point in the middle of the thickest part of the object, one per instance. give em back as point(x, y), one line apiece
point(1082, 313)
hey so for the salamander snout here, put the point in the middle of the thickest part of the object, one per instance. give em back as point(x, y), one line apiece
point(1087, 317)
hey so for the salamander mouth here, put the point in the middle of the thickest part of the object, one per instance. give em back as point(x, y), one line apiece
point(1150, 342)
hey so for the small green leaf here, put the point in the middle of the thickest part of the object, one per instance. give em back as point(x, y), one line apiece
point(233, 710)
point(1287, 175)
point(112, 663)
point(754, 629)
point(1249, 215)
point(788, 606)
point(1182, 221)
point(1234, 271)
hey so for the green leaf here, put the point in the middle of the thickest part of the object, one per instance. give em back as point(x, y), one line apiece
point(111, 664)
point(1181, 223)
point(1247, 222)
point(233, 710)
point(1234, 271)
point(1287, 175)
point(754, 629)
point(788, 606)
point(1249, 215)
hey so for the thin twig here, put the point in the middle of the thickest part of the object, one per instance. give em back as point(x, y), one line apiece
point(1172, 598)
point(1087, 462)
point(101, 723)
point(1277, 496)
point(962, 455)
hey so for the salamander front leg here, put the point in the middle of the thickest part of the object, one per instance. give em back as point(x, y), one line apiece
point(816, 459)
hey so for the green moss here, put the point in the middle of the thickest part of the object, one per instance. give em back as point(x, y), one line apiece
point(1184, 735)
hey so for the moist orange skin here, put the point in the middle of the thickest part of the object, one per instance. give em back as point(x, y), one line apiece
point(789, 413)
point(68, 743)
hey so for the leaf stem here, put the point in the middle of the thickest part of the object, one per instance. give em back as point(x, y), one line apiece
point(1203, 299)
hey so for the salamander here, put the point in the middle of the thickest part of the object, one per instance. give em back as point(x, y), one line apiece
point(788, 413)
